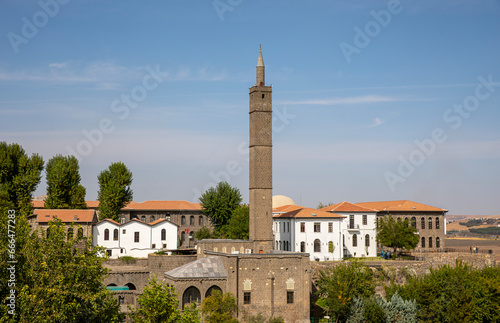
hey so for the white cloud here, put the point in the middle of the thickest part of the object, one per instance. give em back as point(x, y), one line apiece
point(376, 122)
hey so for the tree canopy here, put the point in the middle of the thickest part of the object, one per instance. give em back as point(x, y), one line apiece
point(159, 304)
point(339, 285)
point(114, 190)
point(19, 177)
point(396, 234)
point(64, 190)
point(238, 225)
point(219, 308)
point(454, 294)
point(218, 203)
point(58, 277)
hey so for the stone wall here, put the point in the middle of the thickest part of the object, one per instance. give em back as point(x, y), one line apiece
point(160, 264)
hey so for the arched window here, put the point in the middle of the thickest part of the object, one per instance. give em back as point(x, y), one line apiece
point(211, 289)
point(430, 242)
point(115, 234)
point(343, 240)
point(367, 240)
point(330, 246)
point(191, 295)
point(302, 246)
point(80, 233)
point(106, 234)
point(354, 240)
point(143, 218)
point(200, 220)
point(438, 242)
point(414, 222)
point(430, 224)
point(422, 223)
point(183, 220)
point(399, 219)
point(437, 225)
point(152, 219)
point(422, 244)
point(130, 286)
point(317, 245)
point(191, 220)
point(163, 234)
point(70, 233)
point(183, 236)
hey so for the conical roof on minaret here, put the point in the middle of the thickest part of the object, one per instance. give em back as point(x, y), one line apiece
point(260, 61)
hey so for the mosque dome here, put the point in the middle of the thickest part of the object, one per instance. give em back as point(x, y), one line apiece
point(280, 200)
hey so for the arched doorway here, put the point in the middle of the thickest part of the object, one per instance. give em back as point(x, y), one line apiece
point(211, 289)
point(191, 295)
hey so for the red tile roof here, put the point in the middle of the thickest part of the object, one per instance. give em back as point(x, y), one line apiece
point(163, 205)
point(286, 208)
point(135, 219)
point(38, 204)
point(65, 215)
point(402, 205)
point(92, 204)
point(346, 207)
point(305, 212)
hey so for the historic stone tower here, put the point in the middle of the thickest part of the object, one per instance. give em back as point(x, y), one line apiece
point(261, 162)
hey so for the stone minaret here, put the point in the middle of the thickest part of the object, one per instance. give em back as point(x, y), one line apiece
point(261, 162)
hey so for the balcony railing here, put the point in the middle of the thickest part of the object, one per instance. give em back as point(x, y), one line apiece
point(353, 227)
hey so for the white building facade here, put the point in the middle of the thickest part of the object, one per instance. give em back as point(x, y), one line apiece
point(135, 238)
point(307, 230)
point(359, 229)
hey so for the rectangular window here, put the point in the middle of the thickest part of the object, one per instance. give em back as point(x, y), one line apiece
point(124, 231)
point(302, 227)
point(153, 245)
point(317, 227)
point(136, 236)
point(246, 298)
point(109, 252)
point(365, 219)
point(351, 221)
point(330, 227)
point(289, 297)
point(164, 246)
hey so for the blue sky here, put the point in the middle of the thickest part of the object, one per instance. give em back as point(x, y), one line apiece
point(373, 100)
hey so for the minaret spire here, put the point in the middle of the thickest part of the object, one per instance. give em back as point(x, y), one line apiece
point(260, 70)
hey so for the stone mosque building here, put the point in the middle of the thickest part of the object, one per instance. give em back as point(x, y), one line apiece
point(263, 280)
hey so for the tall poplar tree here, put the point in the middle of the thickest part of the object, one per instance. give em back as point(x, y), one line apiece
point(19, 177)
point(64, 190)
point(114, 190)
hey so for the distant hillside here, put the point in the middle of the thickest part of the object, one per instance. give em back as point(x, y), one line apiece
point(481, 224)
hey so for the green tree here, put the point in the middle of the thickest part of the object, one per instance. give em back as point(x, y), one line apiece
point(219, 308)
point(57, 279)
point(114, 190)
point(207, 233)
point(322, 205)
point(238, 227)
point(339, 285)
point(454, 294)
point(159, 303)
point(219, 203)
point(396, 234)
point(19, 177)
point(64, 190)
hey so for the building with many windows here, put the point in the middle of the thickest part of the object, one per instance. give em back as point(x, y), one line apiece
point(332, 233)
point(186, 215)
point(135, 238)
point(429, 221)
point(77, 222)
point(358, 229)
